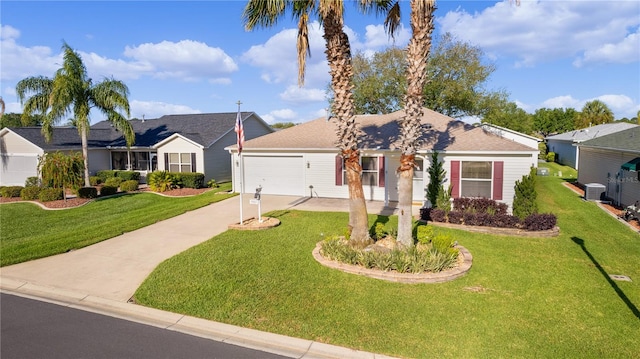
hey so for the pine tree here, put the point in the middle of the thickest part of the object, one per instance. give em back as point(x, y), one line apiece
point(436, 177)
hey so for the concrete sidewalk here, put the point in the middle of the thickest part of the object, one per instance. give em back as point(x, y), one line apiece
point(104, 276)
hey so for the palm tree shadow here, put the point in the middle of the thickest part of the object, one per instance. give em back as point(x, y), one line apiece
point(612, 283)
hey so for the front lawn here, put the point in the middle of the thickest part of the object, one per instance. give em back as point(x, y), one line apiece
point(30, 232)
point(524, 297)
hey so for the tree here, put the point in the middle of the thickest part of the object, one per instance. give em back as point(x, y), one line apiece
point(338, 53)
point(59, 170)
point(455, 85)
point(410, 125)
point(71, 91)
point(436, 178)
point(509, 115)
point(594, 113)
point(558, 120)
point(2, 107)
point(17, 120)
point(282, 125)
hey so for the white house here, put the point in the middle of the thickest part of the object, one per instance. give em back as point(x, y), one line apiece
point(303, 160)
point(613, 161)
point(178, 143)
point(565, 145)
point(512, 135)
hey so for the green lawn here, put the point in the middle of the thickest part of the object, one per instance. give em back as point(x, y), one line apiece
point(524, 297)
point(30, 232)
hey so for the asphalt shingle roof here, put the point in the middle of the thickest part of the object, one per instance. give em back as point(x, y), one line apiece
point(382, 131)
point(589, 133)
point(627, 140)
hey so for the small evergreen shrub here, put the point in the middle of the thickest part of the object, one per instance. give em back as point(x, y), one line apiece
point(542, 150)
point(128, 186)
point(107, 190)
point(424, 234)
point(87, 192)
point(11, 191)
point(190, 179)
point(32, 182)
point(161, 181)
point(379, 231)
point(525, 198)
point(30, 193)
point(436, 177)
point(539, 222)
point(113, 182)
point(105, 174)
point(95, 180)
point(551, 157)
point(50, 194)
point(212, 183)
point(128, 175)
point(443, 201)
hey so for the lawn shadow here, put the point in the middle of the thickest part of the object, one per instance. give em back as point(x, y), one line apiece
point(379, 219)
point(612, 283)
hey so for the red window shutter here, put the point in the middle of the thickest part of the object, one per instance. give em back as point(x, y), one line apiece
point(338, 170)
point(166, 161)
point(498, 171)
point(455, 179)
point(381, 173)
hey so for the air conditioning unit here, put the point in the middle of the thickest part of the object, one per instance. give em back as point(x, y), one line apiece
point(594, 191)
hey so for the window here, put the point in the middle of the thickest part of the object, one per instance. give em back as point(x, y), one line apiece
point(135, 161)
point(372, 171)
point(418, 171)
point(475, 179)
point(180, 162)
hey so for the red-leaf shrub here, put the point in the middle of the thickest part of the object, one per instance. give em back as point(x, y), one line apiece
point(539, 222)
point(504, 221)
point(456, 217)
point(479, 205)
point(437, 215)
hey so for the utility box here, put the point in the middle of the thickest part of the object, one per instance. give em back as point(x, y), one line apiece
point(594, 191)
point(542, 171)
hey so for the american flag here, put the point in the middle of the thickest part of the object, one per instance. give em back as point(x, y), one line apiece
point(240, 132)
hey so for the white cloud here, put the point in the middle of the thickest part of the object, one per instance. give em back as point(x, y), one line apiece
point(566, 101)
point(154, 109)
point(539, 31)
point(186, 60)
point(620, 105)
point(282, 115)
point(297, 94)
point(624, 52)
point(19, 62)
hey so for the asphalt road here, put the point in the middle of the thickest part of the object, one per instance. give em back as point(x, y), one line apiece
point(34, 329)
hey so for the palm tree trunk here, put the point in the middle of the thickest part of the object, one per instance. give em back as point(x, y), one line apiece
point(85, 156)
point(338, 53)
point(410, 129)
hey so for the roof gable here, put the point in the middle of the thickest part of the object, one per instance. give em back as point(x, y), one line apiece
point(627, 140)
point(382, 131)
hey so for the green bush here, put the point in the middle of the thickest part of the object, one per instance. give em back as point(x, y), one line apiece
point(443, 201)
point(32, 182)
point(95, 180)
point(128, 175)
point(525, 198)
point(542, 150)
point(425, 234)
point(87, 192)
point(551, 157)
point(105, 174)
point(190, 179)
point(379, 231)
point(130, 185)
point(11, 191)
point(107, 190)
point(113, 182)
point(30, 193)
point(212, 183)
point(50, 194)
point(161, 181)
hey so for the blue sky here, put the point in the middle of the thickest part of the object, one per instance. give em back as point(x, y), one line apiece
point(195, 57)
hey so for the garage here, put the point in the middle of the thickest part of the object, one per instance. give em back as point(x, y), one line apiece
point(276, 174)
point(15, 169)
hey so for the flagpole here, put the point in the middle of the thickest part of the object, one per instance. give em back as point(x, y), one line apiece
point(240, 137)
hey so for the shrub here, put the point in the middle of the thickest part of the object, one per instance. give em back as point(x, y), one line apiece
point(443, 201)
point(551, 157)
point(108, 190)
point(105, 174)
point(436, 177)
point(11, 191)
point(50, 194)
point(539, 222)
point(95, 180)
point(379, 231)
point(161, 181)
point(130, 185)
point(456, 217)
point(442, 243)
point(212, 183)
point(32, 182)
point(438, 215)
point(524, 200)
point(542, 150)
point(479, 205)
point(503, 221)
point(30, 193)
point(477, 219)
point(425, 234)
point(128, 175)
point(190, 179)
point(113, 182)
point(87, 192)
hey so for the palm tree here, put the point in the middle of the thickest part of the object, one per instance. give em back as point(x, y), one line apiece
point(1, 107)
point(410, 126)
point(594, 113)
point(338, 51)
point(71, 91)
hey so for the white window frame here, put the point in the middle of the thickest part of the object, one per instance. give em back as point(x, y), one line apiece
point(180, 161)
point(376, 162)
point(464, 179)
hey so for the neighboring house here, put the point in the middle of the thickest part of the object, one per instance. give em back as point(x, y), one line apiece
point(304, 161)
point(613, 161)
point(512, 135)
point(565, 145)
point(178, 143)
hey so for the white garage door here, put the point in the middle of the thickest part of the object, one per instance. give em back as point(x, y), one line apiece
point(16, 168)
point(277, 175)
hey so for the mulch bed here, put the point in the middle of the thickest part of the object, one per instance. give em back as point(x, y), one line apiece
point(76, 202)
